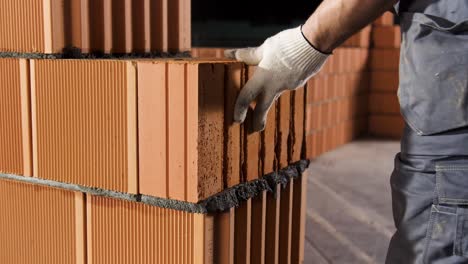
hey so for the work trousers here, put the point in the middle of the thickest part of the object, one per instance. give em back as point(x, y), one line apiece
point(430, 199)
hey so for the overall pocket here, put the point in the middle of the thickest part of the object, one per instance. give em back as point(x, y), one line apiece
point(447, 234)
point(433, 88)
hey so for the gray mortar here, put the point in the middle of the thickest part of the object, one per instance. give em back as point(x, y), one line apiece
point(220, 202)
point(75, 53)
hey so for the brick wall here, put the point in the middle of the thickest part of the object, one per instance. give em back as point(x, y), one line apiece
point(385, 119)
point(102, 26)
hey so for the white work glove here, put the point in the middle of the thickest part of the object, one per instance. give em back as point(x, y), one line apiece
point(285, 61)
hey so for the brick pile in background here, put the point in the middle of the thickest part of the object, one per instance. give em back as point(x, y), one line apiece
point(385, 119)
point(102, 26)
point(337, 101)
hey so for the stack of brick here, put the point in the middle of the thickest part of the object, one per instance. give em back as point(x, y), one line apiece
point(131, 160)
point(385, 119)
point(337, 101)
point(157, 128)
point(362, 39)
point(95, 26)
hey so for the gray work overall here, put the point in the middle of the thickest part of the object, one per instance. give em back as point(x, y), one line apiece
point(430, 180)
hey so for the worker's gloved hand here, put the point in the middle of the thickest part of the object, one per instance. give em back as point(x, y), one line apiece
point(285, 61)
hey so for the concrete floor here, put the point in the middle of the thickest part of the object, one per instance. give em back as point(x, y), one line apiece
point(349, 215)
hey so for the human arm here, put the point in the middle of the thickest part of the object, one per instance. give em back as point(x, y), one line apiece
point(288, 59)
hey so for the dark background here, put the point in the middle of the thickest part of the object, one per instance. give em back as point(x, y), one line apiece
point(215, 23)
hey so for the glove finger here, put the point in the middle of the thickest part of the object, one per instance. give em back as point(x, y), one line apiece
point(251, 56)
point(248, 94)
point(264, 103)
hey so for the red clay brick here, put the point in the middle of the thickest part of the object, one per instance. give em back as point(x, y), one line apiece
point(364, 37)
point(48, 220)
point(243, 233)
point(298, 226)
point(234, 82)
point(284, 119)
point(363, 105)
point(384, 81)
point(360, 39)
point(321, 88)
point(286, 222)
point(343, 85)
point(329, 87)
point(223, 237)
point(362, 63)
point(210, 129)
point(337, 86)
point(15, 127)
point(335, 112)
point(252, 145)
point(199, 52)
point(364, 82)
point(272, 242)
point(147, 233)
point(320, 143)
point(324, 116)
point(385, 59)
point(157, 22)
point(140, 25)
point(258, 230)
point(310, 144)
point(32, 26)
point(386, 125)
point(385, 20)
point(387, 37)
point(176, 130)
point(384, 103)
point(298, 124)
point(269, 142)
point(313, 117)
point(179, 17)
point(122, 26)
point(340, 60)
point(311, 90)
point(61, 101)
point(95, 25)
point(152, 129)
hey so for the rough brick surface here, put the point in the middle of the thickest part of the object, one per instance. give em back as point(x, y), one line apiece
point(232, 162)
point(252, 141)
point(297, 125)
point(211, 129)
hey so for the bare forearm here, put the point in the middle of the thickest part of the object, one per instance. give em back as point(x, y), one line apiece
point(336, 20)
